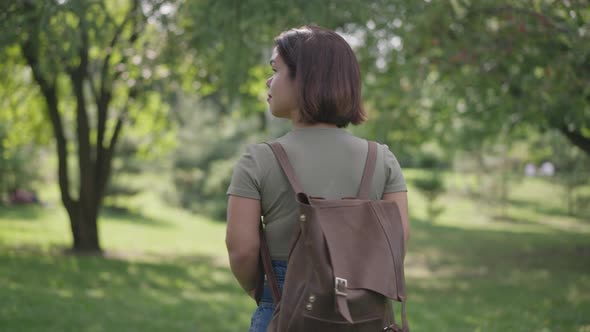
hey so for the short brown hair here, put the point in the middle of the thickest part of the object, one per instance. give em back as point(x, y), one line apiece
point(326, 74)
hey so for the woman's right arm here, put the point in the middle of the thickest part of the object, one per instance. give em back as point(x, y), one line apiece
point(242, 239)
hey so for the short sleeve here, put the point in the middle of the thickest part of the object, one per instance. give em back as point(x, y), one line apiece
point(245, 181)
point(395, 179)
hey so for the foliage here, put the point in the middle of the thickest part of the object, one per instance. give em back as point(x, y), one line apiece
point(23, 134)
point(230, 43)
point(19, 164)
point(462, 73)
point(509, 66)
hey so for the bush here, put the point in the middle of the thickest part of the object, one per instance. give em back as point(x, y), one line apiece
point(19, 165)
point(431, 185)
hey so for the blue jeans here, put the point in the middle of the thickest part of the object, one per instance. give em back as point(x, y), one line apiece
point(263, 313)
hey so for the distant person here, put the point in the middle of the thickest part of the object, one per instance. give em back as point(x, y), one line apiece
point(530, 169)
point(547, 169)
point(316, 84)
point(22, 196)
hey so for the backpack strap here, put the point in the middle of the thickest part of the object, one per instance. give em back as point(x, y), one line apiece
point(268, 271)
point(273, 284)
point(367, 179)
point(393, 327)
point(260, 269)
point(283, 159)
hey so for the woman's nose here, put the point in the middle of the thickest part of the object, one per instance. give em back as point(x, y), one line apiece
point(268, 82)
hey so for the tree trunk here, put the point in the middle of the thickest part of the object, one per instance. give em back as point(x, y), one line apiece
point(84, 228)
point(577, 139)
point(83, 212)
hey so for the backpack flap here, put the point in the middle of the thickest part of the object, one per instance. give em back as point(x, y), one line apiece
point(365, 245)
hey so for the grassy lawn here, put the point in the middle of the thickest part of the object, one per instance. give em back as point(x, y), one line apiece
point(166, 270)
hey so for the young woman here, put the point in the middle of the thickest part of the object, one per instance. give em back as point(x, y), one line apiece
point(316, 84)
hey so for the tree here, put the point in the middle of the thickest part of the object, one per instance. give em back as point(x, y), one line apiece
point(92, 62)
point(507, 66)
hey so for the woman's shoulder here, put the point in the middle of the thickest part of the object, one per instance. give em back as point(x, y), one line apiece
point(258, 151)
point(386, 151)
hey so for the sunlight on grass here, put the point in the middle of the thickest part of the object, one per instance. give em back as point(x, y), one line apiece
point(164, 269)
point(158, 229)
point(463, 211)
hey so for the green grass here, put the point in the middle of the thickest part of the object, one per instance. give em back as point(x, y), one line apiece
point(473, 269)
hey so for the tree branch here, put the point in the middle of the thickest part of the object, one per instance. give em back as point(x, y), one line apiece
point(104, 153)
point(49, 91)
point(546, 20)
point(93, 89)
point(577, 139)
point(77, 76)
point(105, 95)
point(109, 151)
point(110, 49)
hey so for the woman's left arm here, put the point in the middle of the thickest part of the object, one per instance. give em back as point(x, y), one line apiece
point(242, 239)
point(401, 198)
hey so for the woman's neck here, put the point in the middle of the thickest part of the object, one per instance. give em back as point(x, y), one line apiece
point(297, 124)
point(315, 125)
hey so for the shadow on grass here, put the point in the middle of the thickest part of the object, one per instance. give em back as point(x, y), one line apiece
point(513, 219)
point(462, 279)
point(125, 215)
point(33, 213)
point(541, 208)
point(497, 249)
point(51, 291)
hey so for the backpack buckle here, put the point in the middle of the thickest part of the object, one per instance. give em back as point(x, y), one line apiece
point(341, 286)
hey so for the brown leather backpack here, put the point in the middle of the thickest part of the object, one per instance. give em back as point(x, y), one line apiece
point(345, 262)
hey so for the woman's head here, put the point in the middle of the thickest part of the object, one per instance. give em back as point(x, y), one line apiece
point(318, 76)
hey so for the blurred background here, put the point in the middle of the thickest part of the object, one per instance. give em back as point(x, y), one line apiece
point(121, 120)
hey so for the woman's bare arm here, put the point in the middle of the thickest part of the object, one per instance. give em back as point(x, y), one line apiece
point(401, 198)
point(242, 239)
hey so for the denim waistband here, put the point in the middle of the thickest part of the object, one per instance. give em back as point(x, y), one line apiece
point(280, 270)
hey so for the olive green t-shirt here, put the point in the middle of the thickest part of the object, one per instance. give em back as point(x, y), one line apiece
point(328, 162)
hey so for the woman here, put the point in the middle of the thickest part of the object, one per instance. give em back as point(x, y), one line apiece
point(316, 84)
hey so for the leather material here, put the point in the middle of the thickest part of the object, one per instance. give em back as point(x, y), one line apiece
point(345, 263)
point(268, 271)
